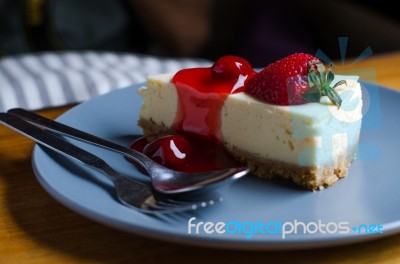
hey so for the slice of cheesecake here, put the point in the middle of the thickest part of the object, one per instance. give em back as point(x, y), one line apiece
point(311, 144)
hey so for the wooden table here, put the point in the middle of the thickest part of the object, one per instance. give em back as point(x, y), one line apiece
point(34, 228)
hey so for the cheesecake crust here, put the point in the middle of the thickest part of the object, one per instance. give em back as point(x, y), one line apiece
point(151, 128)
point(309, 177)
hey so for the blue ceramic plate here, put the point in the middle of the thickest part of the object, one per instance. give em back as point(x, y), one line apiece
point(255, 214)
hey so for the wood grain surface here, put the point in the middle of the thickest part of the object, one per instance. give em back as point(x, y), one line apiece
point(34, 228)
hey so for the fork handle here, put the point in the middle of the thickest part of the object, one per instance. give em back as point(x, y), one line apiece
point(65, 130)
point(59, 145)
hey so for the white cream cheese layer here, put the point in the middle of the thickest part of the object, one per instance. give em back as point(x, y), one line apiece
point(313, 134)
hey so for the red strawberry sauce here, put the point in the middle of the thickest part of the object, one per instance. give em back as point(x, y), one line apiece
point(202, 92)
point(201, 95)
point(199, 154)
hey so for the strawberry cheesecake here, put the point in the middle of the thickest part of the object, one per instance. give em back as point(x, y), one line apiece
point(292, 120)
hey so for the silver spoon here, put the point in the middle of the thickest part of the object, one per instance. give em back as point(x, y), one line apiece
point(131, 193)
point(163, 179)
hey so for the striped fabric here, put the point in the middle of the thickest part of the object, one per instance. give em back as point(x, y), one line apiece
point(55, 79)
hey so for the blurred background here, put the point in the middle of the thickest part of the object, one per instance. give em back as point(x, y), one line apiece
point(260, 31)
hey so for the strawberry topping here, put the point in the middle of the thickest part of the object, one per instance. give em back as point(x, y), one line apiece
point(296, 79)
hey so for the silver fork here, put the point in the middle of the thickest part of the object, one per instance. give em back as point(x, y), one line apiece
point(134, 194)
point(164, 179)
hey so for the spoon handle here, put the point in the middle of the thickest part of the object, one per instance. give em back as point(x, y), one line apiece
point(68, 131)
point(57, 144)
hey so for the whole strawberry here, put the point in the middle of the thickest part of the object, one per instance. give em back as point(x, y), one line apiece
point(295, 79)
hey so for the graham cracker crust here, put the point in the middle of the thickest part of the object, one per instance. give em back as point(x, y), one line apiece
point(309, 177)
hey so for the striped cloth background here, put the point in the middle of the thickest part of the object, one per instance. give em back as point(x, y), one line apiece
point(55, 79)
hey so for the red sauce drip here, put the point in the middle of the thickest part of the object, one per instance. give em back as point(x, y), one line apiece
point(202, 92)
point(200, 154)
point(200, 101)
point(201, 95)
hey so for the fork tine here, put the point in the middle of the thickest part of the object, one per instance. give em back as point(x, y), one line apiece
point(194, 205)
point(157, 207)
point(161, 206)
point(200, 203)
point(190, 206)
